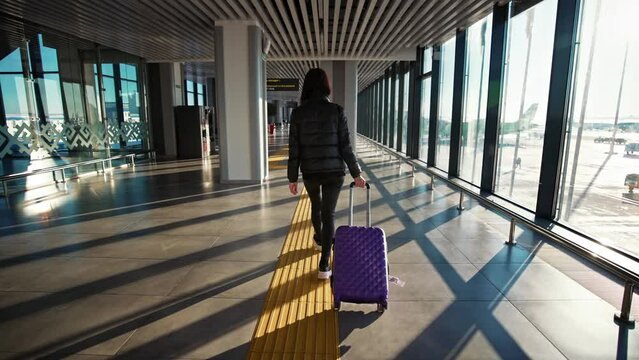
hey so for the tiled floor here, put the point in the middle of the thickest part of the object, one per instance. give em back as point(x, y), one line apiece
point(164, 262)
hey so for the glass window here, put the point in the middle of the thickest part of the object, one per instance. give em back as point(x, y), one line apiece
point(424, 115)
point(476, 88)
point(74, 100)
point(405, 111)
point(447, 74)
point(600, 175)
point(11, 62)
point(427, 60)
point(190, 100)
point(110, 105)
point(522, 124)
point(52, 98)
point(107, 69)
point(128, 71)
point(130, 101)
point(200, 100)
point(14, 97)
point(49, 57)
point(200, 88)
point(189, 85)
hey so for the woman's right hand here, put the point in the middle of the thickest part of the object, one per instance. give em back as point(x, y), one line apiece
point(360, 182)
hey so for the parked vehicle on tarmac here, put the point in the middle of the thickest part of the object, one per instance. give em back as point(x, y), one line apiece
point(631, 148)
point(608, 140)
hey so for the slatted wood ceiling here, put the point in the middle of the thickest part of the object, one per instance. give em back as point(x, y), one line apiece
point(301, 32)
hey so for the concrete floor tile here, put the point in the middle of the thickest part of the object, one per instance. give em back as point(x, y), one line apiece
point(244, 279)
point(211, 328)
point(97, 325)
point(151, 247)
point(258, 227)
point(126, 245)
point(534, 282)
point(482, 251)
point(203, 226)
point(424, 250)
point(95, 275)
point(441, 330)
point(39, 244)
point(440, 282)
point(242, 248)
point(105, 225)
point(582, 329)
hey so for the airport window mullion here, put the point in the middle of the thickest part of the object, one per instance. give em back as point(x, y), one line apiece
point(400, 108)
point(434, 105)
point(375, 114)
point(494, 97)
point(393, 115)
point(369, 114)
point(416, 99)
point(371, 125)
point(386, 108)
point(458, 103)
point(3, 115)
point(367, 117)
point(367, 122)
point(380, 108)
point(558, 110)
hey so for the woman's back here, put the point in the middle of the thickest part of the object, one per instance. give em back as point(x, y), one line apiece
point(319, 138)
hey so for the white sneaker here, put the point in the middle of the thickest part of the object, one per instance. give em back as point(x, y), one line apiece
point(324, 275)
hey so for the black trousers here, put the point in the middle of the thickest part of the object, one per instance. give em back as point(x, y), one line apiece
point(324, 192)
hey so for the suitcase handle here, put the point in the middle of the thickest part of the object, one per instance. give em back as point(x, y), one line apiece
point(350, 204)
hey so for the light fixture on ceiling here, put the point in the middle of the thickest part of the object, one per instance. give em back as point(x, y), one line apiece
point(266, 45)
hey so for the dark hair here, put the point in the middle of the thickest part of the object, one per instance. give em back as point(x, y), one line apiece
point(315, 84)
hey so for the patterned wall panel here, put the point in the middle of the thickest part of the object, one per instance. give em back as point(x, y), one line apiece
point(20, 136)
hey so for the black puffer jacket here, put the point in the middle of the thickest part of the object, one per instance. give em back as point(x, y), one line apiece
point(319, 140)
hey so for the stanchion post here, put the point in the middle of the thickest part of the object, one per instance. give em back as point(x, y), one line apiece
point(623, 317)
point(511, 234)
point(461, 201)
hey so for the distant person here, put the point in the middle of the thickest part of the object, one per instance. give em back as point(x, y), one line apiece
point(518, 163)
point(319, 144)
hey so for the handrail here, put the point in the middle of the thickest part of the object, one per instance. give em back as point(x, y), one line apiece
point(583, 245)
point(130, 159)
point(61, 167)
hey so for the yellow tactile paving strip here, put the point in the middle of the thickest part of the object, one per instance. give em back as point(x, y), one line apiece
point(298, 320)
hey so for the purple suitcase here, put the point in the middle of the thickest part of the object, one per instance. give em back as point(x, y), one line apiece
point(360, 263)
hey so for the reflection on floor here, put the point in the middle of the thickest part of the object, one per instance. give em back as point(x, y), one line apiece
point(164, 262)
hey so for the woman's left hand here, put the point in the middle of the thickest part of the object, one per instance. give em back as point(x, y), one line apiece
point(293, 188)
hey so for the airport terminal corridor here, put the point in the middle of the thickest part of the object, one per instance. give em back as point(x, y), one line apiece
point(162, 261)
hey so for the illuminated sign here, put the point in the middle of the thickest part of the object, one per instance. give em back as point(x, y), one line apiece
point(282, 85)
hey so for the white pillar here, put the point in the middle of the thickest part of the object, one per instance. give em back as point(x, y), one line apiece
point(168, 83)
point(178, 84)
point(343, 77)
point(240, 91)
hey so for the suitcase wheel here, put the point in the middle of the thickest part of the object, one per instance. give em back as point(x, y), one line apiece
point(380, 308)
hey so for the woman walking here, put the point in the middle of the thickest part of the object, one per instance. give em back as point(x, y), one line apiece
point(319, 144)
